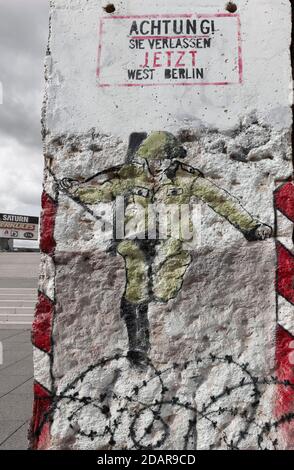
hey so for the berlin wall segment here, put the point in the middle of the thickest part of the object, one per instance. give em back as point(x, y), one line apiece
point(182, 109)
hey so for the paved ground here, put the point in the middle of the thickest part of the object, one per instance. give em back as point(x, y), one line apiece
point(16, 383)
point(17, 307)
point(17, 270)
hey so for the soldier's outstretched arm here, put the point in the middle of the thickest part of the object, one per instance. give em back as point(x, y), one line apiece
point(229, 207)
point(104, 186)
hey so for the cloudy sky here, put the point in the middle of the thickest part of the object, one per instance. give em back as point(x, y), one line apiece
point(23, 40)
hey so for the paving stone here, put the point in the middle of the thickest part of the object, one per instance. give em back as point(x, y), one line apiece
point(18, 441)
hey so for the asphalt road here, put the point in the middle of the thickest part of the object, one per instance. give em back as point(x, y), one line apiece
point(17, 270)
point(16, 385)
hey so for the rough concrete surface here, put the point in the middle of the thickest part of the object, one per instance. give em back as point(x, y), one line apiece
point(141, 344)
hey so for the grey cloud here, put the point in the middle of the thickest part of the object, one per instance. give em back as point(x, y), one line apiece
point(23, 38)
point(23, 41)
point(23, 25)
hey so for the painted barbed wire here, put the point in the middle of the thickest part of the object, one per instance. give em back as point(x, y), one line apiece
point(141, 435)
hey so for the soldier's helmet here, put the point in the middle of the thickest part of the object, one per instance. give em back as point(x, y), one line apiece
point(161, 145)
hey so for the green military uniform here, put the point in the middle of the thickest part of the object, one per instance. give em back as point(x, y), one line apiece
point(155, 268)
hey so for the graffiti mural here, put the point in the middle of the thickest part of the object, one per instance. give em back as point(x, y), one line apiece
point(140, 391)
point(146, 417)
point(155, 173)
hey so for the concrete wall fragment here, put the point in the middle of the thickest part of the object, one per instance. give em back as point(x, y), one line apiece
point(144, 341)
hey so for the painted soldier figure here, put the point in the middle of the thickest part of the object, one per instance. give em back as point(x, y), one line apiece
point(155, 173)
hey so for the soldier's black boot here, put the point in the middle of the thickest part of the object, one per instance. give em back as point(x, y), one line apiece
point(136, 319)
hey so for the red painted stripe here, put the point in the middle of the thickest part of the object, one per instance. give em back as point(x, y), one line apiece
point(284, 200)
point(177, 15)
point(47, 242)
point(285, 273)
point(103, 85)
point(40, 427)
point(219, 15)
point(285, 372)
point(240, 53)
point(42, 332)
point(130, 17)
point(99, 47)
point(42, 326)
point(170, 37)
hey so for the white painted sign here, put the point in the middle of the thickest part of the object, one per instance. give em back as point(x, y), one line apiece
point(158, 50)
point(19, 227)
